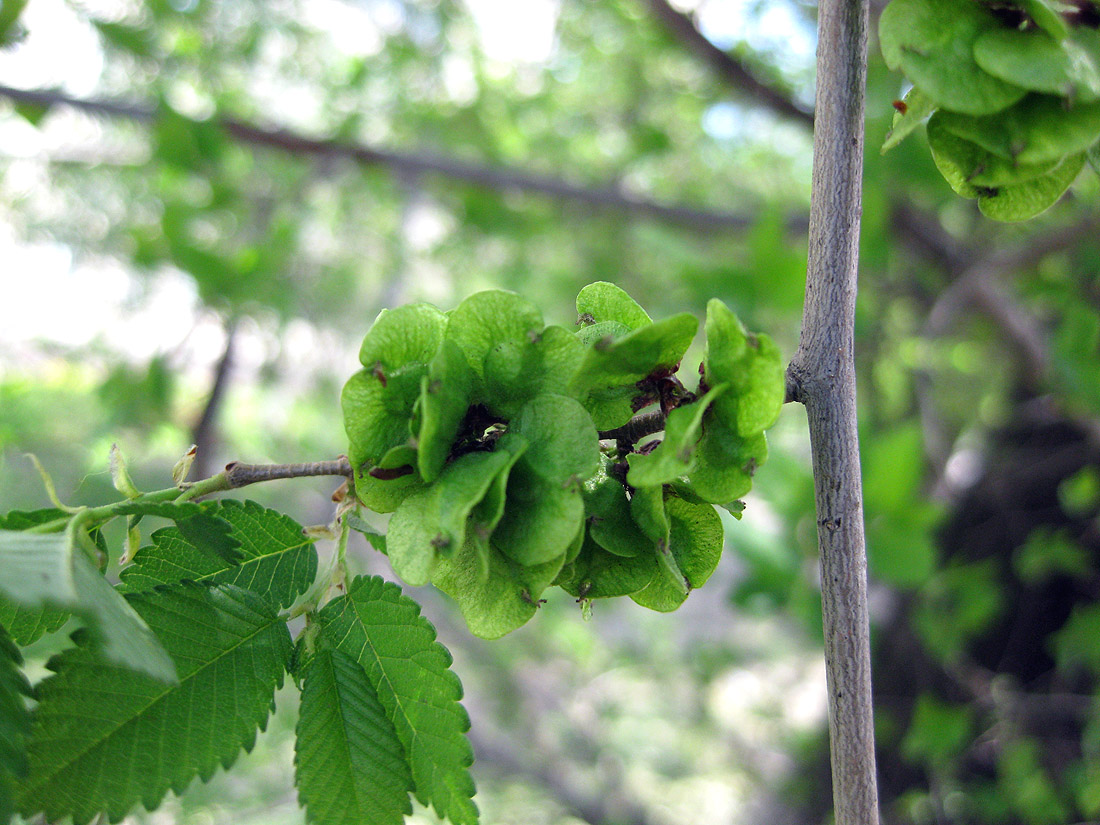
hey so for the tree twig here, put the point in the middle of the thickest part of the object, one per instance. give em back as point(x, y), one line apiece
point(497, 178)
point(636, 428)
point(204, 435)
point(822, 376)
point(735, 72)
point(241, 475)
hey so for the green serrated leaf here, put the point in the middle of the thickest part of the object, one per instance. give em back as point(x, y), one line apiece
point(350, 765)
point(276, 559)
point(374, 538)
point(28, 624)
point(383, 631)
point(119, 633)
point(500, 601)
point(106, 738)
point(45, 570)
point(752, 366)
point(15, 723)
point(432, 522)
point(603, 301)
point(37, 568)
point(1039, 129)
point(197, 522)
point(1033, 60)
point(932, 41)
point(695, 539)
point(918, 106)
point(674, 457)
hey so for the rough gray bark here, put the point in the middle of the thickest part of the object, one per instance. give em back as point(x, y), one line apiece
point(822, 376)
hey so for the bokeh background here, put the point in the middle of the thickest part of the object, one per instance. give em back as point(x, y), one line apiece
point(204, 204)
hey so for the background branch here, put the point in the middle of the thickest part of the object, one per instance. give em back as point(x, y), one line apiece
point(497, 178)
point(735, 72)
point(205, 433)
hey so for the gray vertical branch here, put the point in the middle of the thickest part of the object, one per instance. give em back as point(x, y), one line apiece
point(822, 376)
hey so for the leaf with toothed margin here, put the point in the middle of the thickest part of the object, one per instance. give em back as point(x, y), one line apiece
point(695, 539)
point(276, 559)
point(196, 522)
point(15, 724)
point(45, 570)
point(350, 765)
point(106, 738)
point(27, 623)
point(383, 631)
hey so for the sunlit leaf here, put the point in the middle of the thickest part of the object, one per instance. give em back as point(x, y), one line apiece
point(106, 738)
point(350, 765)
point(275, 558)
point(15, 724)
point(384, 632)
